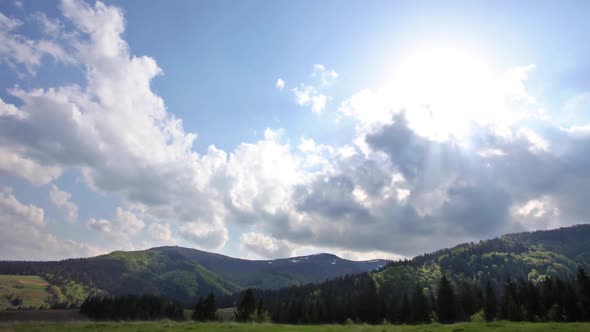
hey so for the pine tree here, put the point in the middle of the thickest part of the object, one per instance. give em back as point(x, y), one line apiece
point(446, 302)
point(420, 306)
point(583, 281)
point(490, 308)
point(210, 307)
point(246, 307)
point(199, 311)
point(406, 310)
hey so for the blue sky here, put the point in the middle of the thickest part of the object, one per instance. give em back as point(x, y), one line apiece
point(396, 128)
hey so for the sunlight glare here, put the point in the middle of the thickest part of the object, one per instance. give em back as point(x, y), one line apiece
point(444, 91)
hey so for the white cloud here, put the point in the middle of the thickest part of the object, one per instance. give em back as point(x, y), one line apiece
point(578, 130)
point(538, 143)
point(16, 49)
point(160, 232)
point(11, 207)
point(416, 186)
point(128, 222)
point(61, 200)
point(307, 95)
point(101, 225)
point(204, 235)
point(24, 235)
point(263, 246)
point(280, 84)
point(114, 130)
point(50, 27)
point(325, 75)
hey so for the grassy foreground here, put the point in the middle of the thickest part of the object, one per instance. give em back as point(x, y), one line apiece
point(213, 327)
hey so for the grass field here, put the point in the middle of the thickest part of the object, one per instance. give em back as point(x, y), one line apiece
point(214, 327)
point(33, 290)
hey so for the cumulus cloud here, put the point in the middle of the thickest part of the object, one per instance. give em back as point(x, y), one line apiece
point(307, 95)
point(312, 95)
point(11, 207)
point(160, 232)
point(128, 222)
point(61, 200)
point(25, 233)
point(101, 225)
point(17, 50)
point(325, 75)
point(264, 246)
point(280, 84)
point(114, 130)
point(408, 182)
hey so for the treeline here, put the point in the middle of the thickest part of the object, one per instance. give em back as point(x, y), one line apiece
point(132, 307)
point(359, 298)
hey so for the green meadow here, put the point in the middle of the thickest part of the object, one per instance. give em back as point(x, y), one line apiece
point(214, 327)
point(23, 291)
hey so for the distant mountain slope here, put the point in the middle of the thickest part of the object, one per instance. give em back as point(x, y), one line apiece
point(531, 256)
point(182, 273)
point(269, 274)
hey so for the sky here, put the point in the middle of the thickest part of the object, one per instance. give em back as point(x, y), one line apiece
point(266, 129)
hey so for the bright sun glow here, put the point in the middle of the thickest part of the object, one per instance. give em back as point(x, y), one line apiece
point(445, 91)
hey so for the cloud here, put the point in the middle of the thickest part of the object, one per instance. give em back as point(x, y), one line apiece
point(311, 95)
point(50, 27)
point(11, 207)
point(307, 95)
point(113, 130)
point(128, 222)
point(280, 84)
point(578, 130)
point(406, 183)
point(61, 200)
point(17, 50)
point(264, 246)
point(160, 232)
point(25, 235)
point(325, 75)
point(101, 225)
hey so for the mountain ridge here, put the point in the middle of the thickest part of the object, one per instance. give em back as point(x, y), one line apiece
point(182, 273)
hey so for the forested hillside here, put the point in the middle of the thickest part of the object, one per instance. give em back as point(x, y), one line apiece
point(531, 256)
point(181, 273)
point(530, 276)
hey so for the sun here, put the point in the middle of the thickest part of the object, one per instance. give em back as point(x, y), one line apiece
point(445, 91)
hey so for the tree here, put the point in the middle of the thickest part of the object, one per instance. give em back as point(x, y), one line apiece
point(490, 308)
point(205, 310)
point(511, 307)
point(446, 301)
point(246, 307)
point(420, 305)
point(210, 307)
point(406, 310)
point(199, 310)
point(584, 286)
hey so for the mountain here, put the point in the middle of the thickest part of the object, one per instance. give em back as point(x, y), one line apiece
point(529, 255)
point(186, 274)
point(532, 276)
point(181, 273)
point(271, 274)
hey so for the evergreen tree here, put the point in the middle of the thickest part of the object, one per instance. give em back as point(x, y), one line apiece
point(406, 310)
point(511, 308)
point(446, 301)
point(199, 311)
point(583, 281)
point(246, 307)
point(490, 308)
point(210, 307)
point(421, 310)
